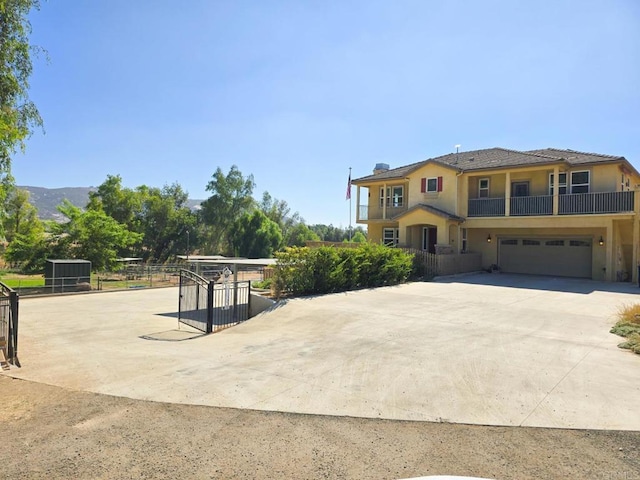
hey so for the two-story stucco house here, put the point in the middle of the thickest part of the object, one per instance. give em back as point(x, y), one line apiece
point(547, 212)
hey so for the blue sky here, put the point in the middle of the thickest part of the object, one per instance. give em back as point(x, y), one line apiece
point(296, 92)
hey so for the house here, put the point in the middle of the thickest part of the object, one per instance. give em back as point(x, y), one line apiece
point(547, 212)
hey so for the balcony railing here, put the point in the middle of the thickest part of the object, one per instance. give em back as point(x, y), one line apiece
point(376, 213)
point(605, 202)
point(486, 207)
point(537, 205)
point(573, 204)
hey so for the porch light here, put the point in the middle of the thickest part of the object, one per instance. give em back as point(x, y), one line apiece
point(489, 238)
point(601, 241)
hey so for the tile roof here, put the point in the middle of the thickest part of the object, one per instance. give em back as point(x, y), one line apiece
point(431, 209)
point(496, 158)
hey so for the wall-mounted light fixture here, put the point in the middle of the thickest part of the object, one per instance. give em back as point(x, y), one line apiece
point(601, 241)
point(489, 238)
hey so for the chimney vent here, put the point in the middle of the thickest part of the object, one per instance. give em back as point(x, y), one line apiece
point(381, 167)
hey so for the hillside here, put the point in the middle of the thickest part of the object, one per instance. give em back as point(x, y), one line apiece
point(46, 200)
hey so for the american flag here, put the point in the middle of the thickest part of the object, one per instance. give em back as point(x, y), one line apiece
point(349, 187)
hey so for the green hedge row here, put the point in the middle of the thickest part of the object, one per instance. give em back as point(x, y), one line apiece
point(306, 271)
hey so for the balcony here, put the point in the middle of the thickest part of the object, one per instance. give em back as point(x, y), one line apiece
point(572, 204)
point(365, 213)
point(606, 202)
point(486, 207)
point(537, 205)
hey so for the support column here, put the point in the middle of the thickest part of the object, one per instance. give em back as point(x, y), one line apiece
point(634, 254)
point(384, 201)
point(610, 258)
point(357, 203)
point(507, 195)
point(556, 190)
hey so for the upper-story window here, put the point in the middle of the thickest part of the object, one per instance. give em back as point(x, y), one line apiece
point(562, 183)
point(580, 181)
point(431, 185)
point(394, 196)
point(483, 188)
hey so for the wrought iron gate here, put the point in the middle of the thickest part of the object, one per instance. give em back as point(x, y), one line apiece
point(9, 324)
point(208, 306)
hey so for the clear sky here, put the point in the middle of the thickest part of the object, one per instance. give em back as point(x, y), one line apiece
point(296, 92)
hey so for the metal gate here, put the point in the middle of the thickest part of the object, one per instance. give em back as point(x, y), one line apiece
point(208, 306)
point(9, 324)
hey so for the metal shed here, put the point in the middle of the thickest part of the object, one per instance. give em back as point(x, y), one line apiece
point(66, 272)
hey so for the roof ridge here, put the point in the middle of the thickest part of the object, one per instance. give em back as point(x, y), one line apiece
point(534, 153)
point(569, 150)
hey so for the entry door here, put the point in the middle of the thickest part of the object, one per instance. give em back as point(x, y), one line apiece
point(429, 239)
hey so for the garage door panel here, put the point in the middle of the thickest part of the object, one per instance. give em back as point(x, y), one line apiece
point(566, 257)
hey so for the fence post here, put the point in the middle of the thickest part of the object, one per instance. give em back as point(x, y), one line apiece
point(210, 287)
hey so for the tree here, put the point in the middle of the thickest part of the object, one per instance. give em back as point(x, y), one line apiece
point(21, 217)
point(164, 222)
point(122, 204)
point(299, 235)
point(255, 236)
point(91, 235)
point(18, 114)
point(230, 198)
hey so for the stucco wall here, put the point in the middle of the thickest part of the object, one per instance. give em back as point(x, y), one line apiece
point(446, 199)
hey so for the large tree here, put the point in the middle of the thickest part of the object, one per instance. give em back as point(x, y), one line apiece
point(91, 235)
point(18, 114)
point(255, 236)
point(230, 198)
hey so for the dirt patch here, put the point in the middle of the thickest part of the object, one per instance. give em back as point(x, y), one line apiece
point(50, 432)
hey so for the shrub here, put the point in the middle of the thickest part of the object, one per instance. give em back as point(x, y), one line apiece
point(628, 325)
point(304, 271)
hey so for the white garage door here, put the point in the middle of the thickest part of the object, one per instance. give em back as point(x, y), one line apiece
point(563, 257)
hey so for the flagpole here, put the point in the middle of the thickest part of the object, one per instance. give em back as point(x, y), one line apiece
point(350, 205)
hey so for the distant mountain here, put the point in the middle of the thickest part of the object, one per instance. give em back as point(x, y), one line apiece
point(46, 200)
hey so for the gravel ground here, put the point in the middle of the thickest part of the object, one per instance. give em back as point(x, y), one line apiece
point(51, 432)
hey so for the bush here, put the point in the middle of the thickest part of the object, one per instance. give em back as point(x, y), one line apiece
point(628, 325)
point(304, 271)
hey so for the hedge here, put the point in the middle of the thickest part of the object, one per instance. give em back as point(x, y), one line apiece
point(307, 271)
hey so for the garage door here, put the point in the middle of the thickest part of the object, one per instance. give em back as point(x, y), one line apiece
point(564, 257)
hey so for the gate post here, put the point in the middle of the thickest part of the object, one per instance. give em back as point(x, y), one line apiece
point(13, 329)
point(210, 286)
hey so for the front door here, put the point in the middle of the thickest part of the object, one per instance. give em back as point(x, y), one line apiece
point(429, 239)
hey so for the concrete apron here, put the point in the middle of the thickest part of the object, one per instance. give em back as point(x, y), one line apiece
point(457, 350)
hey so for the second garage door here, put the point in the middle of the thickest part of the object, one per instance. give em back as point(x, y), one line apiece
point(564, 257)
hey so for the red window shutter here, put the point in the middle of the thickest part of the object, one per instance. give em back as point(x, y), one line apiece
point(423, 185)
point(439, 184)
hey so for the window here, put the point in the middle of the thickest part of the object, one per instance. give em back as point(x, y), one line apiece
point(530, 242)
point(562, 183)
point(579, 243)
point(520, 189)
point(464, 240)
point(509, 241)
point(580, 182)
point(390, 236)
point(431, 185)
point(394, 196)
point(554, 243)
point(483, 188)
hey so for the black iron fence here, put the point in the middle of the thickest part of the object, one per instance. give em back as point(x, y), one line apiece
point(209, 306)
point(9, 324)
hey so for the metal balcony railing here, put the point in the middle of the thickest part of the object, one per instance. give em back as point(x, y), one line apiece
point(536, 205)
point(602, 202)
point(376, 213)
point(486, 207)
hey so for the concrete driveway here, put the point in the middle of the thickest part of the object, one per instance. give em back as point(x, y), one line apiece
point(482, 349)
